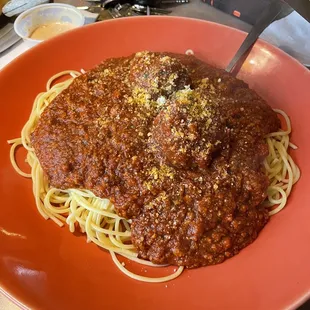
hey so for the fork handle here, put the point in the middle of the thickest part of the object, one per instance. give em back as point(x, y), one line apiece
point(267, 17)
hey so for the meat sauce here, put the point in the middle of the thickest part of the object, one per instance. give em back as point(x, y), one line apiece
point(177, 145)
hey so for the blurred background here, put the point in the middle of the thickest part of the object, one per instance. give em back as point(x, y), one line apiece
point(290, 31)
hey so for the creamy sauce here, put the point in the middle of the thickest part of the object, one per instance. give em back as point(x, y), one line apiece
point(47, 31)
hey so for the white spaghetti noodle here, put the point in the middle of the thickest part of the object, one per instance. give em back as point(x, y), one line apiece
point(80, 209)
point(281, 169)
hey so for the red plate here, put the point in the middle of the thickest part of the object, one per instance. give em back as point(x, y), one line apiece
point(46, 267)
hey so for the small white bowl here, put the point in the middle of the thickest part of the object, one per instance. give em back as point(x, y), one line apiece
point(43, 14)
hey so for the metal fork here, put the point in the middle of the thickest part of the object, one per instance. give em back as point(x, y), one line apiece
point(267, 17)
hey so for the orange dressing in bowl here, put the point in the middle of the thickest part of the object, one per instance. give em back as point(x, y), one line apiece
point(49, 30)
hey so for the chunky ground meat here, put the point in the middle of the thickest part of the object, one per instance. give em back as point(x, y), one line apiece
point(174, 143)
